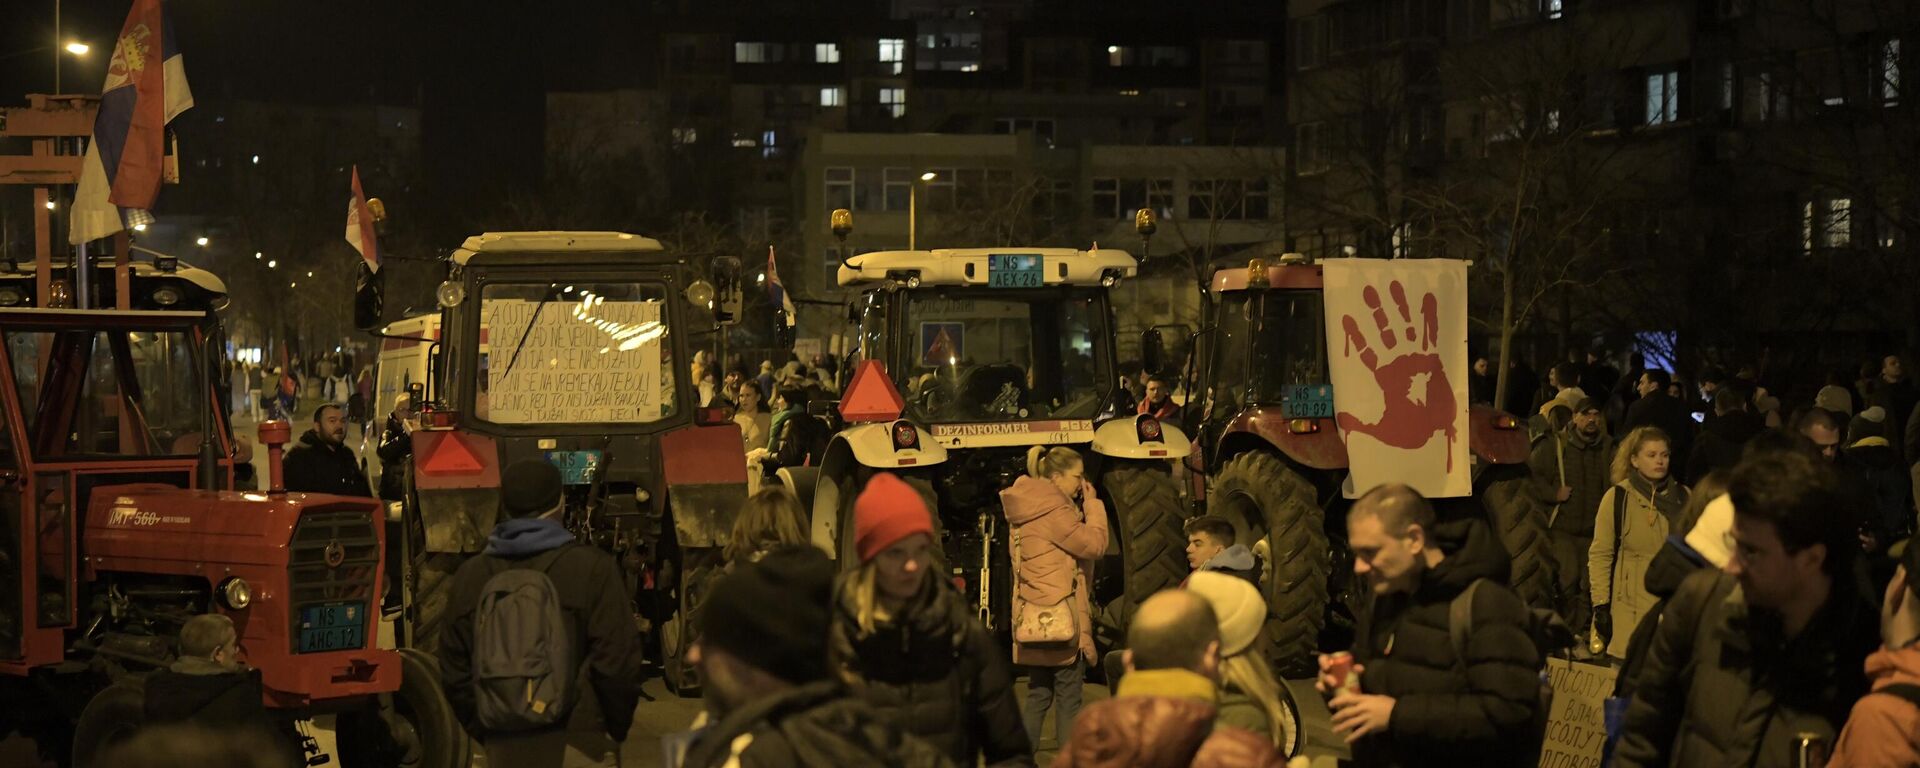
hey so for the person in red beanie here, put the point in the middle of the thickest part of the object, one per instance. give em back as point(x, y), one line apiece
point(1059, 528)
point(904, 640)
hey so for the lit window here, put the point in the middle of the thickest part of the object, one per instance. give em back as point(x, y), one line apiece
point(826, 53)
point(893, 51)
point(685, 136)
point(750, 53)
point(833, 97)
point(1826, 223)
point(1119, 56)
point(894, 100)
point(1663, 97)
point(769, 143)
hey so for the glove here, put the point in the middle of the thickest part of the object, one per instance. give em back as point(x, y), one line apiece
point(1603, 623)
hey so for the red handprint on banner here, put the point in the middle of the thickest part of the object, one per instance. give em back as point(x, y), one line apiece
point(1413, 385)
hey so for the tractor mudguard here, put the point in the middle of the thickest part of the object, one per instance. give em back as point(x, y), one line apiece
point(1130, 439)
point(706, 482)
point(862, 445)
point(1317, 447)
point(457, 520)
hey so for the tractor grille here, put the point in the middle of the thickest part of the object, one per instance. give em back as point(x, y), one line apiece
point(325, 595)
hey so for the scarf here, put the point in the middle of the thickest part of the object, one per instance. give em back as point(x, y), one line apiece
point(773, 427)
point(1666, 497)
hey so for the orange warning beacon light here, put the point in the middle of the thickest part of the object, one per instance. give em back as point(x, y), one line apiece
point(871, 396)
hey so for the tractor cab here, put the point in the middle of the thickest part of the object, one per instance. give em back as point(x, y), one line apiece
point(1016, 337)
point(93, 398)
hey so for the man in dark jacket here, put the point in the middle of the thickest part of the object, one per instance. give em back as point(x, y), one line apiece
point(1883, 484)
point(1746, 658)
point(771, 699)
point(1896, 393)
point(594, 600)
point(207, 686)
point(1163, 714)
point(321, 462)
point(1724, 436)
point(1211, 547)
point(1570, 473)
point(1420, 702)
point(1656, 408)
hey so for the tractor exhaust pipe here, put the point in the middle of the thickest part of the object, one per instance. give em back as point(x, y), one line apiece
point(274, 434)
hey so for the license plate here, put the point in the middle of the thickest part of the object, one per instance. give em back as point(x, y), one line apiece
point(1309, 401)
point(333, 627)
point(1015, 270)
point(576, 467)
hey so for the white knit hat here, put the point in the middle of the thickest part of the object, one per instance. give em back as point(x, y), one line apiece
point(1238, 606)
point(1709, 534)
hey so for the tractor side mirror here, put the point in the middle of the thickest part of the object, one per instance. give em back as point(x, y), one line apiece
point(369, 297)
point(1153, 350)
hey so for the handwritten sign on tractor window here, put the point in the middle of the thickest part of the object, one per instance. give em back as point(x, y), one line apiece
point(1576, 726)
point(579, 364)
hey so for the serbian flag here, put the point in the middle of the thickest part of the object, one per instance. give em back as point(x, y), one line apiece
point(776, 292)
point(146, 88)
point(360, 226)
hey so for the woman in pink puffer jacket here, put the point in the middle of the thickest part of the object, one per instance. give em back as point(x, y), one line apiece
point(1062, 529)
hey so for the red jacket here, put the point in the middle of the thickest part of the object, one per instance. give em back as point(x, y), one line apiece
point(1883, 729)
point(1162, 718)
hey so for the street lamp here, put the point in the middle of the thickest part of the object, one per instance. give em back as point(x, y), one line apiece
point(201, 241)
point(913, 210)
point(272, 263)
point(78, 48)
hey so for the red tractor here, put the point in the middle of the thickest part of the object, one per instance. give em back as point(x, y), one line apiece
point(119, 521)
point(1276, 463)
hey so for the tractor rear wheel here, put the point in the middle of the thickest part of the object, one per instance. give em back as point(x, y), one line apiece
point(1265, 499)
point(413, 727)
point(111, 717)
point(1519, 520)
point(1147, 515)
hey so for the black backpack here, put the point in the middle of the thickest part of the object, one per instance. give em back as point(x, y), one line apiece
point(523, 659)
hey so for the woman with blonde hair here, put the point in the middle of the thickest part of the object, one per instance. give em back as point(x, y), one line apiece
point(769, 520)
point(1632, 523)
point(907, 643)
point(1058, 530)
point(1250, 696)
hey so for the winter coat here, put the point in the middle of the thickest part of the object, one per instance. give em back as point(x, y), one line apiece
point(593, 597)
point(935, 673)
point(1057, 552)
point(220, 697)
point(1669, 414)
point(1675, 562)
point(1236, 560)
point(1720, 443)
point(396, 444)
point(1899, 398)
point(753, 428)
point(818, 725)
point(1162, 718)
point(1724, 686)
point(1883, 729)
point(317, 466)
point(1446, 712)
point(1238, 710)
point(1571, 460)
point(1619, 581)
point(798, 440)
point(1884, 487)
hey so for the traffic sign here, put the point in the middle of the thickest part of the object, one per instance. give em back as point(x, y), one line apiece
point(871, 396)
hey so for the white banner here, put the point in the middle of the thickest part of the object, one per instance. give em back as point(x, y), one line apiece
point(1397, 354)
point(576, 365)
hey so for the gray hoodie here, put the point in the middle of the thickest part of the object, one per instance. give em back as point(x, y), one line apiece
point(1236, 560)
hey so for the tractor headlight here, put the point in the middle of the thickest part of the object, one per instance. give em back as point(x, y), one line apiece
point(450, 294)
point(12, 297)
point(166, 296)
point(235, 593)
point(641, 496)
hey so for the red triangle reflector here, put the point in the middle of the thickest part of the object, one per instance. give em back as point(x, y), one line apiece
point(450, 455)
point(871, 396)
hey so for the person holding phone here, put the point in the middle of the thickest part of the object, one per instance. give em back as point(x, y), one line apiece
point(1059, 528)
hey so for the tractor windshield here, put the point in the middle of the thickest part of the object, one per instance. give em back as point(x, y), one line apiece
point(105, 393)
point(585, 353)
point(1265, 342)
point(992, 355)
